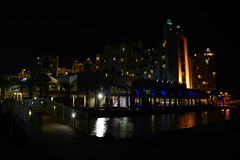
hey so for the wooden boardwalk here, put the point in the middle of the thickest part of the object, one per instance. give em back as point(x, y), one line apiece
point(54, 129)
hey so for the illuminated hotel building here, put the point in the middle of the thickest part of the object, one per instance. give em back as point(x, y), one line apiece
point(168, 62)
point(175, 67)
point(203, 71)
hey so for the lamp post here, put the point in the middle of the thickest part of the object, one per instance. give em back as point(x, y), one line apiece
point(99, 98)
point(73, 116)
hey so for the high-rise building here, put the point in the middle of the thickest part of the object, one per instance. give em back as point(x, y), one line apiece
point(203, 71)
point(175, 54)
point(117, 59)
point(167, 62)
point(46, 65)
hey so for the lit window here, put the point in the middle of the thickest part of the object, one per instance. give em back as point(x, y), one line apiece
point(199, 76)
point(207, 61)
point(149, 76)
point(114, 58)
point(163, 45)
point(214, 73)
point(121, 59)
point(204, 82)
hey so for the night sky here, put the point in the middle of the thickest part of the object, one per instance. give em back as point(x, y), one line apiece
point(76, 33)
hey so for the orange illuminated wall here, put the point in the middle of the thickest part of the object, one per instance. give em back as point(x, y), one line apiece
point(183, 73)
point(186, 64)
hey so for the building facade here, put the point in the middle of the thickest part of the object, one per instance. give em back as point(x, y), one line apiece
point(131, 60)
point(175, 54)
point(94, 89)
point(203, 71)
point(166, 62)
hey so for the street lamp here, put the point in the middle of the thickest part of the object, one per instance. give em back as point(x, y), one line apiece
point(100, 96)
point(73, 115)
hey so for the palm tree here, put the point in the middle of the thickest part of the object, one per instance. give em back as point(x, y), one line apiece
point(5, 84)
point(164, 92)
point(30, 84)
point(137, 87)
point(67, 86)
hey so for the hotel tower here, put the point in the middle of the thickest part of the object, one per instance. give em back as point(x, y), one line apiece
point(175, 54)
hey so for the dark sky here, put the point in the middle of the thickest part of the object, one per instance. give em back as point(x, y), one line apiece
point(76, 33)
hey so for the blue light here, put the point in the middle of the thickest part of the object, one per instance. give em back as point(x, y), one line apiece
point(180, 94)
point(137, 90)
point(164, 92)
point(189, 93)
point(153, 93)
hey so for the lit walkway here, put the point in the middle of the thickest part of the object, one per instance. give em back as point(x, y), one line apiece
point(55, 130)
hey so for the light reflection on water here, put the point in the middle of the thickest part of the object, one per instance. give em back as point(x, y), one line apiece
point(100, 127)
point(122, 127)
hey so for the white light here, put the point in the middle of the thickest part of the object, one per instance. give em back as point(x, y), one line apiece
point(100, 96)
point(100, 127)
point(30, 113)
point(73, 115)
point(24, 79)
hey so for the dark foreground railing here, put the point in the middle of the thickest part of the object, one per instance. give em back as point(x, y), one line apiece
point(28, 118)
point(28, 115)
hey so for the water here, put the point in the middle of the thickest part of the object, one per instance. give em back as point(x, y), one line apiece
point(126, 127)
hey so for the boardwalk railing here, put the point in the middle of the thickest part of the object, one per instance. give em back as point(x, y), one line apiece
point(69, 115)
point(28, 114)
point(28, 118)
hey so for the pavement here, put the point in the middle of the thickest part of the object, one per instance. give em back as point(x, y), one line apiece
point(56, 130)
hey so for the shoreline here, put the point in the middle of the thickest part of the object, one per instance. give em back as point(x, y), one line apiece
point(119, 112)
